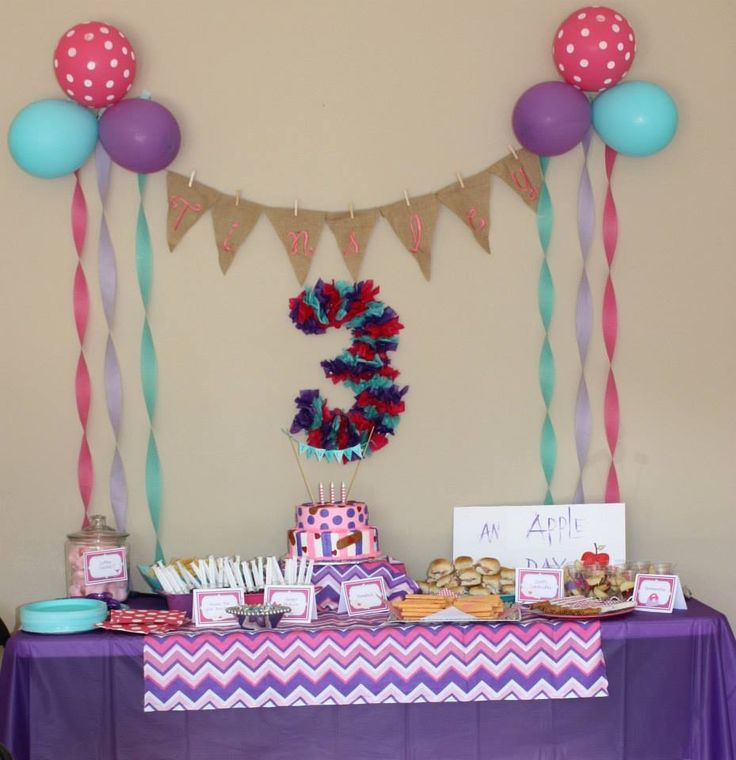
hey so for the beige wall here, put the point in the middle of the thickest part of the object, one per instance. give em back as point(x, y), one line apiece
point(335, 101)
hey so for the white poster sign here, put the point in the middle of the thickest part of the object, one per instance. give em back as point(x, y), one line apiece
point(549, 535)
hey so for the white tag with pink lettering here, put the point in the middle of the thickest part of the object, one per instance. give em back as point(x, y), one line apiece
point(538, 585)
point(105, 565)
point(362, 596)
point(209, 605)
point(299, 599)
point(658, 593)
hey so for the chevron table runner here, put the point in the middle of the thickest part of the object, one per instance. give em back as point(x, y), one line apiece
point(328, 577)
point(371, 665)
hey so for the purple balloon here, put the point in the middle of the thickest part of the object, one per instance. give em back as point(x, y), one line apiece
point(140, 135)
point(551, 118)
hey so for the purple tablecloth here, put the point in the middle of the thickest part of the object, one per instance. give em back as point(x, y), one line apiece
point(672, 683)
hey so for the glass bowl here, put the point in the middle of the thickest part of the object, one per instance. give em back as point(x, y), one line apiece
point(263, 615)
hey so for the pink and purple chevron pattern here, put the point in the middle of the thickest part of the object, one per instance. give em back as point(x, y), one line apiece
point(373, 665)
point(329, 577)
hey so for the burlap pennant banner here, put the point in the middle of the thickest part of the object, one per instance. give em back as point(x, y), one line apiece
point(352, 232)
point(233, 219)
point(300, 235)
point(186, 205)
point(522, 174)
point(414, 225)
point(471, 202)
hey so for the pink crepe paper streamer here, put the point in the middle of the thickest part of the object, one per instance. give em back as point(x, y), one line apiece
point(82, 385)
point(611, 412)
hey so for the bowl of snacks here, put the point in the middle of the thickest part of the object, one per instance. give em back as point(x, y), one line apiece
point(622, 579)
point(599, 581)
point(263, 615)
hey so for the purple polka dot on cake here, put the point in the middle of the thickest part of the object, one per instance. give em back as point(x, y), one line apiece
point(337, 520)
point(351, 525)
point(324, 526)
point(351, 513)
point(310, 519)
point(323, 513)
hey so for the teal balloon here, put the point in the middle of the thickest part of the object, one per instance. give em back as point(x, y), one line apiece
point(52, 138)
point(635, 118)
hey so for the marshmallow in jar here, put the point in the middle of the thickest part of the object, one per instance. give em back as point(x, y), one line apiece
point(97, 561)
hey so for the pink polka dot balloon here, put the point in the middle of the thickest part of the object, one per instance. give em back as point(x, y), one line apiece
point(594, 48)
point(94, 64)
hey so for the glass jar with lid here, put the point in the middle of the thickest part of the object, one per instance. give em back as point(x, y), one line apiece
point(97, 561)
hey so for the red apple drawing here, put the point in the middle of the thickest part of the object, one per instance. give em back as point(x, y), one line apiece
point(598, 557)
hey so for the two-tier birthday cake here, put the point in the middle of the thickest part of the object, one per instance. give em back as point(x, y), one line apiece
point(333, 531)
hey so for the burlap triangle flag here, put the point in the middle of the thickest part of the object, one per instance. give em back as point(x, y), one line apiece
point(233, 223)
point(299, 234)
point(471, 202)
point(186, 205)
point(352, 233)
point(522, 174)
point(414, 225)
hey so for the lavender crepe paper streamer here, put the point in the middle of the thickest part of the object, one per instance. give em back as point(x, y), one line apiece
point(583, 319)
point(113, 379)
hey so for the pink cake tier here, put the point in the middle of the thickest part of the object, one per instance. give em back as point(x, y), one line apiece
point(340, 516)
point(333, 532)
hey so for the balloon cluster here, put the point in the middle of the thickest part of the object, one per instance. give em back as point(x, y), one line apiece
point(593, 50)
point(95, 65)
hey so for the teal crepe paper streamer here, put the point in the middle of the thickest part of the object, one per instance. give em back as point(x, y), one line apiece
point(149, 365)
point(546, 300)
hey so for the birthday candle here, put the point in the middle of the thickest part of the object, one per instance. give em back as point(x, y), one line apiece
point(342, 492)
point(321, 493)
point(332, 492)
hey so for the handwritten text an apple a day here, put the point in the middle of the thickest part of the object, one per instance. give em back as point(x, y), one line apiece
point(544, 533)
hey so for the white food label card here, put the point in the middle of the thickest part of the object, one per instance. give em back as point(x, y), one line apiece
point(363, 596)
point(105, 565)
point(538, 585)
point(209, 605)
point(658, 593)
point(300, 599)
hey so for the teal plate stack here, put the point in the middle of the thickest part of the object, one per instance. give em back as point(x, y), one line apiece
point(62, 615)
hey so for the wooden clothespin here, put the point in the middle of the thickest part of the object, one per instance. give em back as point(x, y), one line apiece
point(191, 177)
point(296, 207)
point(513, 152)
point(460, 180)
point(406, 198)
point(352, 213)
point(237, 197)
